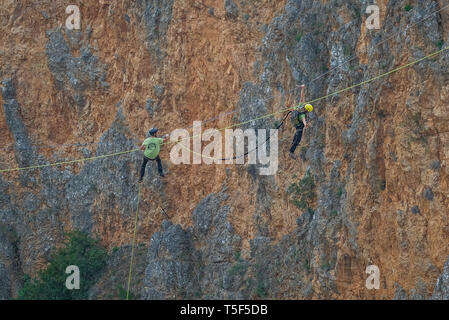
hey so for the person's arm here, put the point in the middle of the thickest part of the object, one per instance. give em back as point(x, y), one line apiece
point(142, 147)
point(303, 96)
point(305, 122)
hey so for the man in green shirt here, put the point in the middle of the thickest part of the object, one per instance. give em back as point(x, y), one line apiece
point(152, 147)
point(299, 122)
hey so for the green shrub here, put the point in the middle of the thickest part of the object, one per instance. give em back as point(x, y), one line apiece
point(122, 292)
point(303, 192)
point(340, 192)
point(307, 265)
point(197, 294)
point(250, 282)
point(440, 44)
point(326, 266)
point(237, 268)
point(80, 250)
point(93, 188)
point(383, 185)
point(237, 256)
point(408, 7)
point(261, 289)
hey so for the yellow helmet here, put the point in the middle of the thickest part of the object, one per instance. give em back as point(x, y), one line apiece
point(309, 107)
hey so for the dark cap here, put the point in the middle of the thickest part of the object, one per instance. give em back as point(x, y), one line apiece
point(152, 131)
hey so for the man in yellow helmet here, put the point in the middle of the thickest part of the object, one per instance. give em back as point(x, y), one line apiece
point(298, 117)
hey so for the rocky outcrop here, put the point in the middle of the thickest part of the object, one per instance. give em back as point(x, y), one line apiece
point(157, 16)
point(74, 74)
point(113, 283)
point(23, 147)
point(208, 261)
point(441, 291)
point(373, 160)
point(177, 270)
point(232, 11)
point(10, 273)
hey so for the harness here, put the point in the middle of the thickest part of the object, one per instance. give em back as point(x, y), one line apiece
point(296, 121)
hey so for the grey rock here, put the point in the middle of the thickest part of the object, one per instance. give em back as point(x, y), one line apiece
point(441, 291)
point(74, 74)
point(435, 165)
point(430, 27)
point(157, 16)
point(205, 254)
point(419, 292)
point(231, 9)
point(210, 224)
point(170, 271)
point(31, 203)
point(159, 91)
point(399, 293)
point(415, 210)
point(9, 263)
point(176, 269)
point(74, 38)
point(115, 276)
point(428, 193)
point(8, 89)
point(24, 150)
point(115, 173)
point(252, 103)
point(5, 283)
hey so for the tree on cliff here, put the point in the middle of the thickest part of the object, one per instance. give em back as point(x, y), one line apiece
point(81, 251)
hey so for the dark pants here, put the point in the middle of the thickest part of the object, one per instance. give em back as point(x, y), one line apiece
point(144, 164)
point(296, 139)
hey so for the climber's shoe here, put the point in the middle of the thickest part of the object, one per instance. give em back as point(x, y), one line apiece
point(292, 155)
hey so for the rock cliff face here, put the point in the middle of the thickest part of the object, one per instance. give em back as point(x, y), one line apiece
point(374, 161)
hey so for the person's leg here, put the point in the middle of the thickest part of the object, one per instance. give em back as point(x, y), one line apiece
point(296, 140)
point(142, 169)
point(159, 166)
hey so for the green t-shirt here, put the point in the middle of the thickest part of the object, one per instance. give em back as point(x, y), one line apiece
point(299, 115)
point(153, 147)
point(301, 109)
